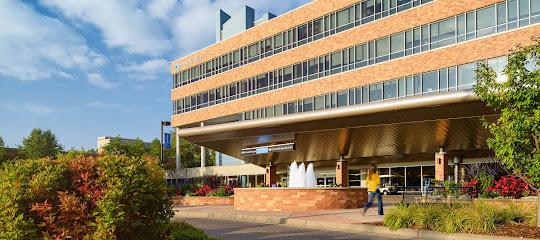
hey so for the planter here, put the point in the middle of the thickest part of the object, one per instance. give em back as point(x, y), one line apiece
point(201, 200)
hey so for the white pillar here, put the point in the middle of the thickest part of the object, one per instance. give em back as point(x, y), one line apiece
point(255, 180)
point(203, 152)
point(178, 152)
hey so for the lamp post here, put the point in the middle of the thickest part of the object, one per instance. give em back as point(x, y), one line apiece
point(163, 123)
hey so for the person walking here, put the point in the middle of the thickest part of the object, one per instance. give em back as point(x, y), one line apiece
point(373, 181)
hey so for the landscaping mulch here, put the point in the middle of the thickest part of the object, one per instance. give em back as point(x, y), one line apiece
point(516, 230)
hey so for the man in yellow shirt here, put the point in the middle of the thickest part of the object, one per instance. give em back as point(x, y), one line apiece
point(373, 181)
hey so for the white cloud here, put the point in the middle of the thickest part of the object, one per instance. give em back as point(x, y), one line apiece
point(36, 47)
point(162, 9)
point(102, 105)
point(194, 26)
point(147, 70)
point(37, 109)
point(124, 24)
point(97, 80)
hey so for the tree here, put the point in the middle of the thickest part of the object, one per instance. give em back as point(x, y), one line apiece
point(40, 144)
point(135, 149)
point(516, 133)
point(3, 151)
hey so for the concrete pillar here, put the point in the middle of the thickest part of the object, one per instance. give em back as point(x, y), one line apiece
point(441, 165)
point(256, 182)
point(457, 161)
point(270, 175)
point(178, 152)
point(342, 173)
point(203, 152)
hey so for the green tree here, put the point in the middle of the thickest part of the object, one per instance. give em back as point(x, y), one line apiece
point(135, 149)
point(40, 144)
point(3, 151)
point(191, 153)
point(516, 133)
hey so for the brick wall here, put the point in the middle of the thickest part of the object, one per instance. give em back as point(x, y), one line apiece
point(197, 201)
point(479, 49)
point(301, 199)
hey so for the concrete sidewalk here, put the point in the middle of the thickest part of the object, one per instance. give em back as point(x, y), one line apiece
point(351, 220)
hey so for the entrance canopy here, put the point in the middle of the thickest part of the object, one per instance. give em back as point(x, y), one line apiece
point(398, 130)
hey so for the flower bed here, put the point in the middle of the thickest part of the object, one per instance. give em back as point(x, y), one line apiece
point(199, 201)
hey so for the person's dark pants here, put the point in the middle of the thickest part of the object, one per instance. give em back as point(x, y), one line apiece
point(379, 200)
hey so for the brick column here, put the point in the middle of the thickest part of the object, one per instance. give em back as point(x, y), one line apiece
point(270, 175)
point(342, 173)
point(441, 166)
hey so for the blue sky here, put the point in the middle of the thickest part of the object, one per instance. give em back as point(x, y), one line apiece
point(91, 68)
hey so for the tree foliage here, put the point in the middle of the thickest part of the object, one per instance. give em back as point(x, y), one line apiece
point(516, 133)
point(40, 144)
point(191, 156)
point(3, 151)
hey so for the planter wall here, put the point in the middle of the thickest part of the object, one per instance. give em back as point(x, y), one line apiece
point(298, 199)
point(199, 201)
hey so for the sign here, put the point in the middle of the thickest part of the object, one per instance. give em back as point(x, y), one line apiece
point(188, 62)
point(167, 140)
point(268, 149)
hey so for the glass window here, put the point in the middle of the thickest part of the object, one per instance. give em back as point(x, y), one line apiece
point(390, 89)
point(470, 22)
point(287, 74)
point(336, 60)
point(342, 98)
point(452, 78)
point(308, 104)
point(368, 8)
point(417, 84)
point(430, 81)
point(365, 94)
point(447, 28)
point(382, 47)
point(375, 92)
point(485, 17)
point(278, 110)
point(317, 26)
point(253, 50)
point(313, 66)
point(343, 17)
point(262, 81)
point(278, 40)
point(524, 8)
point(501, 13)
point(319, 103)
point(409, 84)
point(443, 79)
point(535, 7)
point(297, 71)
point(291, 107)
point(302, 32)
point(512, 10)
point(358, 95)
point(397, 43)
point(461, 24)
point(466, 75)
point(361, 53)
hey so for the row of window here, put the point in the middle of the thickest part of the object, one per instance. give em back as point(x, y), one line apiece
point(467, 26)
point(341, 20)
point(442, 80)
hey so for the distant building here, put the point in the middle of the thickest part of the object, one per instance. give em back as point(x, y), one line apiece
point(104, 141)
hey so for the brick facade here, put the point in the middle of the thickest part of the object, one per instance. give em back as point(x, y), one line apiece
point(476, 50)
point(298, 199)
point(415, 17)
point(342, 173)
point(270, 175)
point(198, 201)
point(441, 166)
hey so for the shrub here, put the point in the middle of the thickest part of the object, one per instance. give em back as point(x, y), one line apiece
point(478, 217)
point(511, 187)
point(184, 231)
point(110, 197)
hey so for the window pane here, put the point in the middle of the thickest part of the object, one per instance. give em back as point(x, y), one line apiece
point(447, 28)
point(368, 8)
point(358, 95)
point(417, 84)
point(485, 18)
point(375, 92)
point(302, 32)
point(336, 60)
point(361, 53)
point(317, 26)
point(443, 79)
point(512, 10)
point(398, 43)
point(365, 94)
point(390, 89)
point(466, 75)
point(308, 105)
point(343, 17)
point(535, 7)
point(253, 50)
point(319, 102)
point(430, 81)
point(461, 24)
point(501, 13)
point(262, 81)
point(342, 98)
point(382, 47)
point(524, 8)
point(291, 107)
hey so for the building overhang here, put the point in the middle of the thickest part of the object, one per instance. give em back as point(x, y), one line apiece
point(389, 130)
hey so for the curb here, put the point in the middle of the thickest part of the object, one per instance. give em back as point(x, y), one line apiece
point(359, 228)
